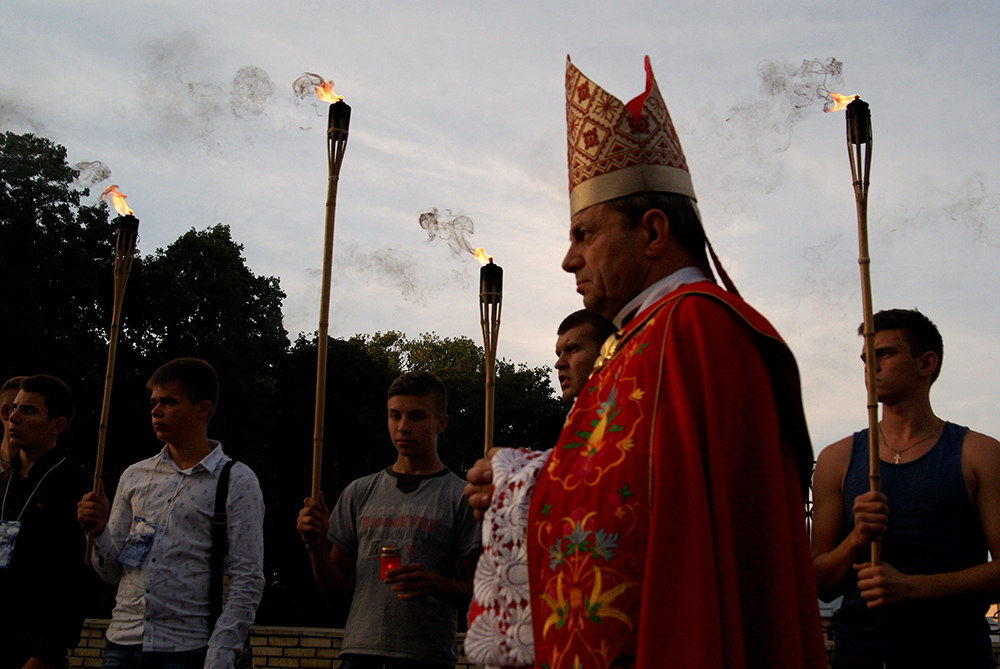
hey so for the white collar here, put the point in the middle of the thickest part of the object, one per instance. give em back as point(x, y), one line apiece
point(653, 293)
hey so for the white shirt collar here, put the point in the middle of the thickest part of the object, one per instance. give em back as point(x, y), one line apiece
point(653, 293)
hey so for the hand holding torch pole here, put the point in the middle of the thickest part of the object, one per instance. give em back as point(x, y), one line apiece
point(859, 144)
point(337, 128)
point(490, 298)
point(128, 230)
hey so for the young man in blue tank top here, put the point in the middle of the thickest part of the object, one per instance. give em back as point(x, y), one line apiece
point(938, 514)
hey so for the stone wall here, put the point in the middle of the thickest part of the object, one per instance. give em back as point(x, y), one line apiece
point(286, 647)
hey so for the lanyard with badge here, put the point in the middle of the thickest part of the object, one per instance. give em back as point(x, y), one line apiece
point(9, 528)
point(143, 531)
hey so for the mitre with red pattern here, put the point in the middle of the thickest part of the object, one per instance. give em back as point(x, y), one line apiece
point(620, 149)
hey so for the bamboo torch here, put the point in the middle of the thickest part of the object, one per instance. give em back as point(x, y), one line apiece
point(128, 230)
point(859, 148)
point(336, 142)
point(490, 299)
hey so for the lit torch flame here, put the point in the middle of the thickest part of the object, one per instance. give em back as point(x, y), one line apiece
point(325, 92)
point(840, 102)
point(304, 85)
point(117, 200)
point(482, 257)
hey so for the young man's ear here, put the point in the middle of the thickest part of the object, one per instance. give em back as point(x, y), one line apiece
point(442, 423)
point(5, 411)
point(205, 408)
point(58, 425)
point(928, 363)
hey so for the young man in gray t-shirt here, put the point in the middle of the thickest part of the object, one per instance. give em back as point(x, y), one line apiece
point(416, 505)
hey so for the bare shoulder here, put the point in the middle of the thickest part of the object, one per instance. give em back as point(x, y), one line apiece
point(834, 459)
point(982, 452)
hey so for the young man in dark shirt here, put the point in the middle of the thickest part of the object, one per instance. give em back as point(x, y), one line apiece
point(44, 579)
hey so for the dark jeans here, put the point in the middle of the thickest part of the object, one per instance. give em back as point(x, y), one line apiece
point(132, 657)
point(379, 662)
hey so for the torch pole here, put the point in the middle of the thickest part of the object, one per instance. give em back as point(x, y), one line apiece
point(490, 302)
point(336, 142)
point(128, 230)
point(859, 144)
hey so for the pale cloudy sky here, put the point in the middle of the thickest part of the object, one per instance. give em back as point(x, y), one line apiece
point(460, 106)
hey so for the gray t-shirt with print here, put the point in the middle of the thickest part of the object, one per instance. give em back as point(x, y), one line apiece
point(433, 526)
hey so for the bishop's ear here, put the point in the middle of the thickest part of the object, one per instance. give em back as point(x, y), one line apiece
point(657, 228)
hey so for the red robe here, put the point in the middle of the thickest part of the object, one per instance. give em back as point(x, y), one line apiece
point(668, 528)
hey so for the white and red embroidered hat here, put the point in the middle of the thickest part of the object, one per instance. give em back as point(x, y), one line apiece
point(620, 149)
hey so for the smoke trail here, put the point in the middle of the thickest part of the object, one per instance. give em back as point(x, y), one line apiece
point(90, 173)
point(187, 104)
point(453, 231)
point(753, 133)
point(395, 269)
point(15, 116)
point(305, 86)
point(249, 91)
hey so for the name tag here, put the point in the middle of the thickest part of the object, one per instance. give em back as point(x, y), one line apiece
point(137, 544)
point(8, 535)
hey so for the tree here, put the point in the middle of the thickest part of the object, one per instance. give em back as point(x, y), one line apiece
point(55, 269)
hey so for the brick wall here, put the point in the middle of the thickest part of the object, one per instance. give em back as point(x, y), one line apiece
point(286, 647)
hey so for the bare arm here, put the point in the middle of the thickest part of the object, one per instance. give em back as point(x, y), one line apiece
point(835, 550)
point(333, 570)
point(883, 585)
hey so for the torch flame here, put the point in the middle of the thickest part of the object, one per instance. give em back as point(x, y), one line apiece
point(839, 102)
point(324, 92)
point(117, 200)
point(482, 257)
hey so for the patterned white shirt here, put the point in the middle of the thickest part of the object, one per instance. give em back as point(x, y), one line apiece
point(164, 604)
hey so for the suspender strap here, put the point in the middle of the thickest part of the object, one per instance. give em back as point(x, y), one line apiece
point(218, 545)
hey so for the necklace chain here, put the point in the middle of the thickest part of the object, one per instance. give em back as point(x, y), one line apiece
point(899, 452)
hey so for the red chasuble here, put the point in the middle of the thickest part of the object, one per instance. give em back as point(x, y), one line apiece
point(668, 528)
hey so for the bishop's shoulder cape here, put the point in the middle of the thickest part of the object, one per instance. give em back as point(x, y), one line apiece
point(667, 528)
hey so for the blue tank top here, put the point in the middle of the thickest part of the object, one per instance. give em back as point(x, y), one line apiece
point(933, 528)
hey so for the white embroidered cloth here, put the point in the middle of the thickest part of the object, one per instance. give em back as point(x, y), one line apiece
point(499, 633)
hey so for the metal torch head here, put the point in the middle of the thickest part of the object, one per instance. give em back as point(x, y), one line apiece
point(129, 223)
point(490, 283)
point(859, 122)
point(340, 117)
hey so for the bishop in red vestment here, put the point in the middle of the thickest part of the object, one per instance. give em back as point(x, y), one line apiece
point(666, 528)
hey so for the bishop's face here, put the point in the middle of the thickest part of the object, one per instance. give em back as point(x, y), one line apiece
point(606, 258)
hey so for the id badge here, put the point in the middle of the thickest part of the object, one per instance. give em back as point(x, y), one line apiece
point(8, 535)
point(137, 544)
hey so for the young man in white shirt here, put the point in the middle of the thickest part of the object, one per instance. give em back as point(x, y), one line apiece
point(156, 542)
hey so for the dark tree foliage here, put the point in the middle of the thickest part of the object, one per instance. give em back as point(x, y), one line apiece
point(55, 270)
point(197, 297)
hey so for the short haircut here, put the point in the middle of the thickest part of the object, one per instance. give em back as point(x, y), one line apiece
point(12, 385)
point(919, 332)
point(58, 397)
point(600, 327)
point(685, 224)
point(197, 378)
point(421, 384)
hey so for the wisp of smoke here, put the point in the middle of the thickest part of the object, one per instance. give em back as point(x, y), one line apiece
point(249, 91)
point(306, 85)
point(453, 231)
point(90, 173)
